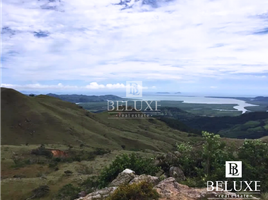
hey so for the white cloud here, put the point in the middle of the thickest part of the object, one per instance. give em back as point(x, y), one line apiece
point(96, 41)
point(91, 86)
point(95, 85)
point(60, 86)
point(39, 86)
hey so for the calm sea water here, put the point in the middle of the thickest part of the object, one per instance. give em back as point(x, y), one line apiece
point(239, 104)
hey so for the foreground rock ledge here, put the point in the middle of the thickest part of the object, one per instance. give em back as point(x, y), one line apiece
point(169, 189)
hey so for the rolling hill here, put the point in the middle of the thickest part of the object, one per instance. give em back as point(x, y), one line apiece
point(251, 125)
point(48, 120)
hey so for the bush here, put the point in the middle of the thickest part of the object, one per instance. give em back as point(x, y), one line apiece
point(40, 192)
point(136, 191)
point(253, 154)
point(214, 155)
point(68, 192)
point(90, 184)
point(68, 173)
point(133, 161)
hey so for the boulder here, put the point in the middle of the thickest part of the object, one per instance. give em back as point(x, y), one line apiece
point(151, 179)
point(123, 178)
point(82, 194)
point(176, 173)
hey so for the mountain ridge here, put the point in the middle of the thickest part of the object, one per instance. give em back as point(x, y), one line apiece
point(46, 120)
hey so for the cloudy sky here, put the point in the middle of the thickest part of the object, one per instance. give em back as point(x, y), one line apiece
point(191, 46)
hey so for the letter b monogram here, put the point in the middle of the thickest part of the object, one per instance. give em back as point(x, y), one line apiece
point(233, 169)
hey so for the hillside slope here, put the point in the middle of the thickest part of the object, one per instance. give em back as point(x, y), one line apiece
point(47, 120)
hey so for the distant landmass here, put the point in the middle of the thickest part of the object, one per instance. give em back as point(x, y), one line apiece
point(76, 98)
point(261, 98)
point(168, 93)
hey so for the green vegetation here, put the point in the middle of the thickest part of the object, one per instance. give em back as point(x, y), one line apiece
point(249, 125)
point(68, 192)
point(207, 162)
point(135, 191)
point(133, 161)
point(40, 192)
point(254, 155)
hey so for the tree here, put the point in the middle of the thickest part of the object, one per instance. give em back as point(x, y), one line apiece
point(254, 155)
point(214, 154)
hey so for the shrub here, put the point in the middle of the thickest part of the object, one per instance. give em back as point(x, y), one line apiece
point(214, 155)
point(133, 161)
point(136, 191)
point(40, 192)
point(52, 164)
point(101, 151)
point(68, 173)
point(253, 154)
point(68, 192)
point(90, 184)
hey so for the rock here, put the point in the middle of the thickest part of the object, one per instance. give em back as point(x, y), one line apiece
point(99, 194)
point(123, 178)
point(151, 179)
point(128, 171)
point(169, 189)
point(82, 194)
point(177, 173)
point(177, 153)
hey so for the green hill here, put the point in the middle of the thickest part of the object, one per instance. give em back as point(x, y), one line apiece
point(48, 120)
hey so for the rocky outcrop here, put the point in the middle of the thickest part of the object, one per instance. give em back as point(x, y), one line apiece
point(169, 188)
point(123, 178)
point(151, 179)
point(176, 173)
point(99, 194)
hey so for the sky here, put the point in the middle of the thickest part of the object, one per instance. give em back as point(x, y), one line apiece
point(190, 46)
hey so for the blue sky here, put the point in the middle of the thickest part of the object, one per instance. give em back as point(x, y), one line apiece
point(193, 46)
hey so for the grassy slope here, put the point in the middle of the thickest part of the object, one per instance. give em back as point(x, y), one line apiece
point(20, 189)
point(48, 120)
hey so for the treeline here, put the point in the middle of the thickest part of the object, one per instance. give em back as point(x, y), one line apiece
point(251, 125)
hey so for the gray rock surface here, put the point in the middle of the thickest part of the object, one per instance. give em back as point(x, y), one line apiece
point(123, 178)
point(176, 173)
